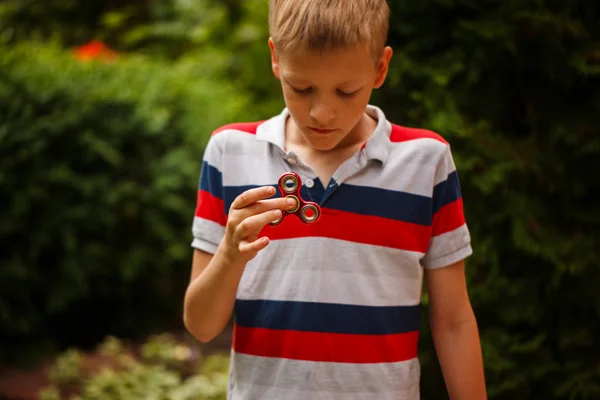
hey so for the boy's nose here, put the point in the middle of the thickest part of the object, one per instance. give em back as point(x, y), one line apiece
point(323, 115)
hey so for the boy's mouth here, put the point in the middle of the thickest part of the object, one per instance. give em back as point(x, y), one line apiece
point(322, 131)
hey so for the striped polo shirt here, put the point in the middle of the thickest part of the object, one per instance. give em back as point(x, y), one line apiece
point(331, 310)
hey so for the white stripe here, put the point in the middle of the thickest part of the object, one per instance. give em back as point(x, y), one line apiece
point(207, 234)
point(411, 167)
point(234, 144)
point(250, 161)
point(446, 167)
point(255, 377)
point(254, 169)
point(448, 248)
point(316, 269)
point(241, 143)
point(410, 178)
point(422, 151)
point(213, 151)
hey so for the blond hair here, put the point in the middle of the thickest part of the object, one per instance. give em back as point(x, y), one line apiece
point(324, 25)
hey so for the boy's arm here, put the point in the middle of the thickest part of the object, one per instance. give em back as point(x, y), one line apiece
point(455, 333)
point(210, 296)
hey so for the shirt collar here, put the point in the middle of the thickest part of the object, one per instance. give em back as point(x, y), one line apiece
point(376, 148)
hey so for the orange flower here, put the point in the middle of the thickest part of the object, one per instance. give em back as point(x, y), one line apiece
point(94, 50)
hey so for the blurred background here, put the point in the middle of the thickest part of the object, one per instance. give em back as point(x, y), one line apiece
point(105, 110)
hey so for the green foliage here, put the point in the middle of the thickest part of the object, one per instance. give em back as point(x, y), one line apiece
point(515, 88)
point(67, 369)
point(40, 20)
point(229, 36)
point(166, 28)
point(146, 374)
point(98, 170)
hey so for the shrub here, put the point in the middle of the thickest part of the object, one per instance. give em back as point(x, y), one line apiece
point(515, 87)
point(98, 169)
point(163, 368)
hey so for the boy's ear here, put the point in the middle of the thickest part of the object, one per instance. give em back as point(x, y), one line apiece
point(383, 66)
point(274, 60)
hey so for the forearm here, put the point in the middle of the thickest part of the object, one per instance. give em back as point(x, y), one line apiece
point(459, 352)
point(210, 298)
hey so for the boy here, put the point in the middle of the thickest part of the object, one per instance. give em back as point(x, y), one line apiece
point(330, 310)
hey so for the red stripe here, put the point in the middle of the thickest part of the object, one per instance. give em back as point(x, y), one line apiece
point(248, 127)
point(356, 228)
point(448, 218)
point(210, 207)
point(327, 347)
point(403, 134)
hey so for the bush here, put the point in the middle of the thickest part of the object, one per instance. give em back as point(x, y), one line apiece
point(98, 169)
point(515, 88)
point(162, 368)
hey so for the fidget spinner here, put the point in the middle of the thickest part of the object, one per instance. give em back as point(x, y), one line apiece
point(289, 186)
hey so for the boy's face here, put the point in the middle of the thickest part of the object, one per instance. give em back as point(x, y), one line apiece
point(327, 93)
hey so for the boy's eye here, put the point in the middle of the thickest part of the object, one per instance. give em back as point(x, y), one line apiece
point(309, 89)
point(347, 94)
point(302, 91)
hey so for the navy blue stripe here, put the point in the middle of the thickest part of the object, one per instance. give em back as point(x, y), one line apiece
point(211, 180)
point(326, 317)
point(231, 192)
point(400, 206)
point(383, 203)
point(446, 192)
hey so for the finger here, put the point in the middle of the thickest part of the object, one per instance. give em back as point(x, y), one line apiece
point(252, 196)
point(262, 206)
point(254, 247)
point(252, 225)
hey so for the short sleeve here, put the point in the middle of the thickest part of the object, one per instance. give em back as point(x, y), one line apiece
point(450, 239)
point(210, 218)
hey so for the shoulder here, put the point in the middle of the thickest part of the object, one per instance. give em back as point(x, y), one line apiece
point(244, 127)
point(404, 134)
point(418, 145)
point(241, 134)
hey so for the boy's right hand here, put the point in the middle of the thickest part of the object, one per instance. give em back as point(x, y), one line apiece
point(248, 214)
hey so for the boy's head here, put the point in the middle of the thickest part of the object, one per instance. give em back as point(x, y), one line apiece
point(324, 25)
point(329, 56)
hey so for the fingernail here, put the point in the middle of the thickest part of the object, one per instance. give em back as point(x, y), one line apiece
point(291, 202)
point(270, 190)
point(277, 213)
